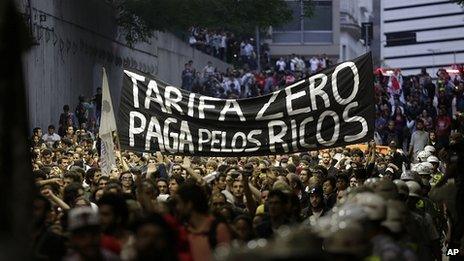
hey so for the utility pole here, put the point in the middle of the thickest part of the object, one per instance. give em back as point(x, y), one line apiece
point(258, 49)
point(366, 38)
point(433, 51)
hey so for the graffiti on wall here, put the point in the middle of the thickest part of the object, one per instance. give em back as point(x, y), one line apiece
point(44, 32)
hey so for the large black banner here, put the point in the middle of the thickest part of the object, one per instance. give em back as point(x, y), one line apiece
point(332, 108)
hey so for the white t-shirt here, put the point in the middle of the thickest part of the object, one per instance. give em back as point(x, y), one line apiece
point(280, 65)
point(293, 64)
point(323, 63)
point(314, 62)
point(248, 50)
point(50, 139)
point(300, 64)
point(223, 42)
point(208, 71)
point(242, 48)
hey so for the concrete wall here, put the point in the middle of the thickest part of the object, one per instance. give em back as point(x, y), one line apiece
point(353, 47)
point(74, 39)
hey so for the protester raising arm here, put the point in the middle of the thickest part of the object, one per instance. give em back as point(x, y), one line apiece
point(255, 192)
point(142, 195)
point(48, 193)
point(250, 201)
point(372, 156)
point(124, 165)
point(41, 183)
point(159, 157)
point(187, 167)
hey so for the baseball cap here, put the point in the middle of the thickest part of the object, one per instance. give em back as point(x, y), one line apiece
point(316, 190)
point(82, 217)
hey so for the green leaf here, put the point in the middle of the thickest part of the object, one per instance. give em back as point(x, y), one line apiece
point(140, 18)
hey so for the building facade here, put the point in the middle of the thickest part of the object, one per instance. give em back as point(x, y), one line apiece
point(334, 30)
point(352, 14)
point(313, 36)
point(421, 33)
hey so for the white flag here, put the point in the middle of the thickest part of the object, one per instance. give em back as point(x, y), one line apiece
point(107, 126)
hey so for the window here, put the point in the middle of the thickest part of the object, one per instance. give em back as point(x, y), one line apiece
point(295, 23)
point(321, 19)
point(401, 38)
point(306, 30)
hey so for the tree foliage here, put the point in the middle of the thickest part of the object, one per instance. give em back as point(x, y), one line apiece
point(139, 18)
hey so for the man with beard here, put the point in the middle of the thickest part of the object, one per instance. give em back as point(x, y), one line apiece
point(327, 163)
point(204, 231)
point(433, 141)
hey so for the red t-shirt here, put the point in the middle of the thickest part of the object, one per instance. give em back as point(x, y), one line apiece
point(111, 244)
point(182, 242)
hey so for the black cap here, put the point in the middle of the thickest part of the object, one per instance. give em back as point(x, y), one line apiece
point(316, 190)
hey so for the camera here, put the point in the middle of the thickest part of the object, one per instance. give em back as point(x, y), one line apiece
point(235, 174)
point(135, 170)
point(247, 170)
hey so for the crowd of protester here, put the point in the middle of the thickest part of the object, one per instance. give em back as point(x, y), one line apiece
point(341, 203)
point(242, 51)
point(246, 82)
point(413, 111)
point(211, 42)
